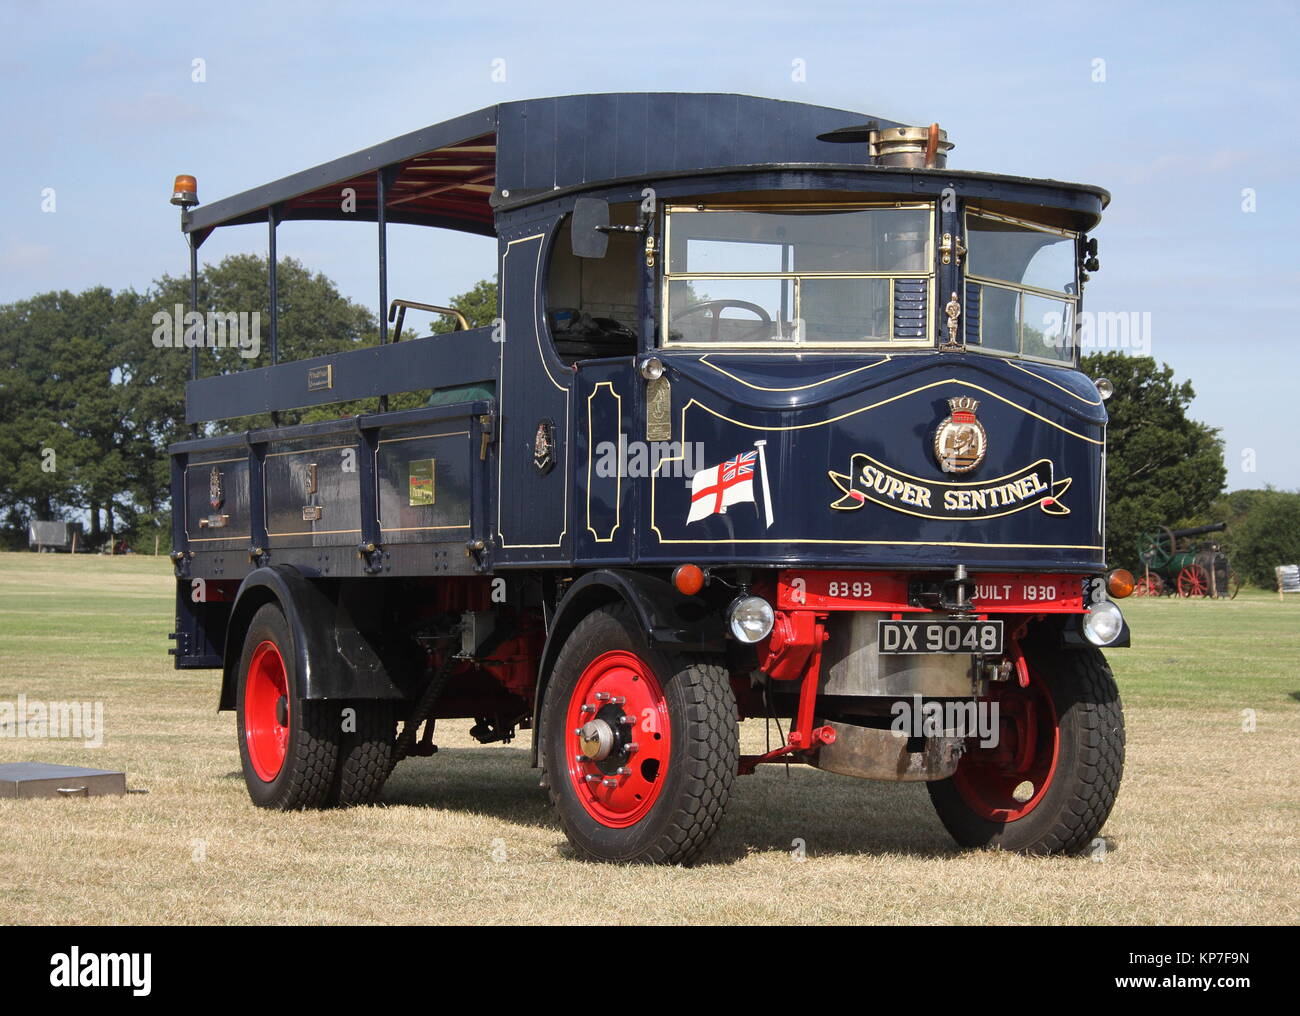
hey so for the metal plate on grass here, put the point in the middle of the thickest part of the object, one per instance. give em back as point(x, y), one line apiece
point(40, 779)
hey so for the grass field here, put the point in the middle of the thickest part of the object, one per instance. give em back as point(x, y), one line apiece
point(1205, 829)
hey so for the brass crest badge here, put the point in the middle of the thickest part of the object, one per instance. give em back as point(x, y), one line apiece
point(544, 446)
point(216, 496)
point(960, 442)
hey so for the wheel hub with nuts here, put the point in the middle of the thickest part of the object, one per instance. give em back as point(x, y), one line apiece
point(596, 739)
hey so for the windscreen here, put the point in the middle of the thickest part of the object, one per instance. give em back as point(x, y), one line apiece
point(805, 276)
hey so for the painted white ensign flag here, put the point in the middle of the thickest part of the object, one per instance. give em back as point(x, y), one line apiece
point(715, 489)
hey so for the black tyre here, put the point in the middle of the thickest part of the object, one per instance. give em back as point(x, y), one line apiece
point(649, 777)
point(1049, 786)
point(367, 753)
point(289, 746)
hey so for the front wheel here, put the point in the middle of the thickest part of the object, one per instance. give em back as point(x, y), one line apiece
point(639, 745)
point(1050, 783)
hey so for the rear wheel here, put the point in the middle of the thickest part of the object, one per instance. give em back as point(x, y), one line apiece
point(1050, 783)
point(639, 745)
point(367, 753)
point(289, 747)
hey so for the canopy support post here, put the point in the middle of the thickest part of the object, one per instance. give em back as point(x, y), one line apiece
point(383, 177)
point(273, 219)
point(273, 276)
point(194, 306)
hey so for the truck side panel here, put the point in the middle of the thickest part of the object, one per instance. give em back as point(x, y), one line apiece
point(395, 494)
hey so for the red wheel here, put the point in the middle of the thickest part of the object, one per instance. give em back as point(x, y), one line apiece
point(1193, 581)
point(639, 743)
point(1149, 585)
point(266, 711)
point(619, 739)
point(1049, 783)
point(1005, 783)
point(288, 745)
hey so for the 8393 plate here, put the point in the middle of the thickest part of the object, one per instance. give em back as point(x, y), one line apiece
point(898, 638)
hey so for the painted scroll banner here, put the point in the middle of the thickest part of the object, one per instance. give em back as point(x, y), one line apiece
point(870, 480)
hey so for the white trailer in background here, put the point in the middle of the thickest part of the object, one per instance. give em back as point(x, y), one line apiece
point(50, 537)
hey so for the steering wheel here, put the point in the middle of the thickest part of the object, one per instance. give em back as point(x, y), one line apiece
point(716, 307)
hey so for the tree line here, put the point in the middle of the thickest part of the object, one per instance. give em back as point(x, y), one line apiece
point(90, 402)
point(1165, 469)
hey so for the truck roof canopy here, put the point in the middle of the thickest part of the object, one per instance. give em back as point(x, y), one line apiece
point(446, 174)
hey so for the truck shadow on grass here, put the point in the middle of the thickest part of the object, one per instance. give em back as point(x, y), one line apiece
point(808, 811)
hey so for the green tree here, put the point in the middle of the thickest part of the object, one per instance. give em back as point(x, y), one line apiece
point(314, 319)
point(84, 386)
point(1162, 467)
point(479, 305)
point(1263, 532)
point(1231, 508)
point(67, 443)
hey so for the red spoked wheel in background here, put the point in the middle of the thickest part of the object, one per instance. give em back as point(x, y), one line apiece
point(1193, 581)
point(1149, 585)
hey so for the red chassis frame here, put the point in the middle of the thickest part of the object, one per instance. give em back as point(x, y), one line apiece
point(805, 599)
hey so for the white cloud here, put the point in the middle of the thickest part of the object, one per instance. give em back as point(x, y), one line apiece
point(19, 254)
point(155, 109)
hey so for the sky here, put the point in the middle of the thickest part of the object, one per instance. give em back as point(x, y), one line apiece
point(1185, 112)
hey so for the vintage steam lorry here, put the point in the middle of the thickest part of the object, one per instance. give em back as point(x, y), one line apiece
point(780, 417)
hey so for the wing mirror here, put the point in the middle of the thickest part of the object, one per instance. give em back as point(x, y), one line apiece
point(590, 230)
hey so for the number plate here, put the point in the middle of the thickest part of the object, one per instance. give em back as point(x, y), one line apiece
point(897, 638)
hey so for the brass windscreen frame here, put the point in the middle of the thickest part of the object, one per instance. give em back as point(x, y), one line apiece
point(668, 277)
point(1021, 289)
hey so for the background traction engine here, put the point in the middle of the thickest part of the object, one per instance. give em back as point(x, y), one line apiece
point(1173, 563)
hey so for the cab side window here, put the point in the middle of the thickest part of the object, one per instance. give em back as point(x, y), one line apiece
point(1022, 287)
point(593, 304)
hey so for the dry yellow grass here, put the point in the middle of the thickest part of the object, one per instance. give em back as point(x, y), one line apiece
point(1205, 830)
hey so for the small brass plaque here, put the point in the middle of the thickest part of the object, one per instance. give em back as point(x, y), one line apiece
point(216, 495)
point(419, 474)
point(659, 410)
point(320, 379)
point(214, 522)
point(311, 512)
